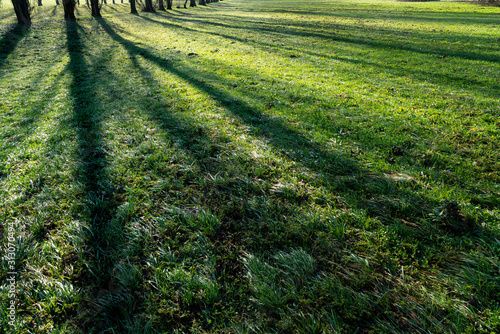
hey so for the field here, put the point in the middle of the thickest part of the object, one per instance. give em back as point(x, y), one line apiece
point(251, 167)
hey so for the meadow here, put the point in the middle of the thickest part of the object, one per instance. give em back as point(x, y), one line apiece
point(258, 166)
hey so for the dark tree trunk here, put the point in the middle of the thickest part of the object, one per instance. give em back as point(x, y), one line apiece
point(69, 10)
point(160, 5)
point(202, 3)
point(185, 3)
point(169, 4)
point(22, 9)
point(96, 11)
point(133, 10)
point(149, 6)
point(105, 2)
point(114, 2)
point(192, 3)
point(57, 3)
point(40, 3)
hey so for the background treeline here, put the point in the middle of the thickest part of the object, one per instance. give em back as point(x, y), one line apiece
point(24, 8)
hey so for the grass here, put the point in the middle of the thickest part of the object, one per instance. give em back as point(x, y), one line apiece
point(253, 166)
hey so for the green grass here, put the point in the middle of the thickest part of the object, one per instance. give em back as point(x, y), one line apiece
point(253, 167)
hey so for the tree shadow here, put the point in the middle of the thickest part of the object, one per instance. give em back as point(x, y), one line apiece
point(9, 41)
point(380, 14)
point(274, 130)
point(339, 174)
point(31, 117)
point(101, 234)
point(470, 83)
point(304, 29)
point(11, 14)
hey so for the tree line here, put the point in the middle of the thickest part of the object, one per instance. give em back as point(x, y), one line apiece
point(23, 8)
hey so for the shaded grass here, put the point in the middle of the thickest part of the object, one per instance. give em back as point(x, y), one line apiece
point(250, 168)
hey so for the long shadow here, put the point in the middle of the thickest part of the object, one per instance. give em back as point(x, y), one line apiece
point(375, 14)
point(389, 203)
point(165, 24)
point(470, 83)
point(196, 141)
point(336, 171)
point(31, 116)
point(416, 74)
point(9, 41)
point(111, 8)
point(332, 28)
point(429, 16)
point(275, 132)
point(53, 12)
point(8, 44)
point(236, 22)
point(7, 16)
point(98, 193)
point(177, 127)
point(293, 28)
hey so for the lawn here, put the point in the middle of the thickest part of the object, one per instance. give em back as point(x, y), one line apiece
point(251, 167)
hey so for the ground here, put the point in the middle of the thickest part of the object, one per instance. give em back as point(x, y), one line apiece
point(252, 166)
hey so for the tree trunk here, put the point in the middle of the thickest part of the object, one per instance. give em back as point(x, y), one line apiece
point(69, 10)
point(185, 3)
point(133, 10)
point(57, 3)
point(105, 2)
point(96, 11)
point(169, 4)
point(202, 3)
point(22, 9)
point(149, 6)
point(192, 3)
point(40, 3)
point(160, 5)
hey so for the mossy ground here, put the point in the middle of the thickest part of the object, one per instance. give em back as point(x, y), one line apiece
point(253, 166)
